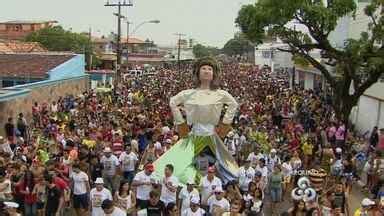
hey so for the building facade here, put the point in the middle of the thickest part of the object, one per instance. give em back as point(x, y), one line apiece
point(18, 30)
point(268, 54)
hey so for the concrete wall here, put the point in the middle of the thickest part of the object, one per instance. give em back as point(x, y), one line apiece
point(45, 91)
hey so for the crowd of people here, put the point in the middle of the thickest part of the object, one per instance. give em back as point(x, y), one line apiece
point(93, 154)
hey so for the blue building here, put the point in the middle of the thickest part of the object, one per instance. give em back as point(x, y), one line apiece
point(19, 69)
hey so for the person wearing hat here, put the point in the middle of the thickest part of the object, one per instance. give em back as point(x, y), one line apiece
point(217, 203)
point(207, 186)
point(194, 208)
point(272, 160)
point(245, 176)
point(111, 166)
point(366, 207)
point(186, 194)
point(143, 181)
point(10, 208)
point(97, 196)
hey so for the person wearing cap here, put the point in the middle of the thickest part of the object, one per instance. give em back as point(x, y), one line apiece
point(81, 188)
point(128, 160)
point(97, 196)
point(366, 207)
point(207, 186)
point(186, 194)
point(169, 185)
point(194, 208)
point(217, 203)
point(143, 181)
point(111, 166)
point(245, 175)
point(10, 209)
point(108, 208)
point(272, 160)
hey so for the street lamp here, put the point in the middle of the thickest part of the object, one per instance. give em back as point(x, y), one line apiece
point(145, 22)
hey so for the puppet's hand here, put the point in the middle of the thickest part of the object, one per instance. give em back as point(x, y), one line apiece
point(223, 129)
point(183, 130)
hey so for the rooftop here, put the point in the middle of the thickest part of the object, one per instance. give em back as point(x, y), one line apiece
point(9, 47)
point(28, 21)
point(30, 65)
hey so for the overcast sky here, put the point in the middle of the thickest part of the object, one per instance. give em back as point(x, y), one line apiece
point(209, 22)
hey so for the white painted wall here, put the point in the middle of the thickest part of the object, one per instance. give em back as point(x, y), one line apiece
point(308, 82)
point(367, 114)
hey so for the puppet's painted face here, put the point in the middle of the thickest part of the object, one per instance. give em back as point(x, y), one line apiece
point(206, 73)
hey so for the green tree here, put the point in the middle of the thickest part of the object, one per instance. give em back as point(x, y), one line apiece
point(58, 39)
point(359, 64)
point(202, 51)
point(238, 45)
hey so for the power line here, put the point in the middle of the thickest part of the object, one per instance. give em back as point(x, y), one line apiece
point(179, 49)
point(118, 48)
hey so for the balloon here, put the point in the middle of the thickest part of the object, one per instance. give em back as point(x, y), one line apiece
point(303, 183)
point(309, 194)
point(297, 194)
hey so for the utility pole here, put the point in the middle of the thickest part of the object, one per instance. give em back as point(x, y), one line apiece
point(179, 50)
point(90, 49)
point(128, 24)
point(118, 42)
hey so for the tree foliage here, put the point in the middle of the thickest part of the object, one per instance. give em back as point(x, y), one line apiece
point(238, 45)
point(58, 39)
point(200, 51)
point(359, 63)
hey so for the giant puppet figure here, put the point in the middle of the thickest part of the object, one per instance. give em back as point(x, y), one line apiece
point(203, 128)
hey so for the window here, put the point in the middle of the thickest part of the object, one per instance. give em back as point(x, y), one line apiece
point(17, 28)
point(266, 54)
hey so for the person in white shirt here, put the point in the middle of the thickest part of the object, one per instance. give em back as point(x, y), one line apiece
point(287, 171)
point(143, 182)
point(110, 166)
point(231, 143)
point(110, 210)
point(245, 176)
point(273, 160)
point(80, 188)
point(97, 196)
point(169, 185)
point(255, 156)
point(208, 184)
point(194, 208)
point(5, 147)
point(186, 194)
point(263, 170)
point(217, 203)
point(128, 160)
